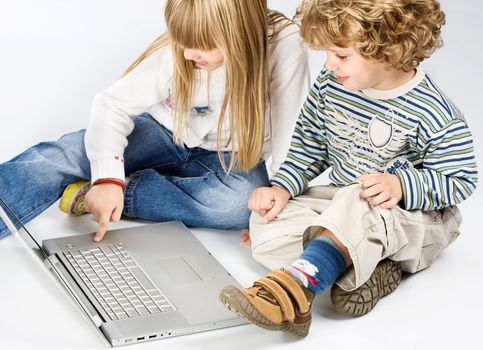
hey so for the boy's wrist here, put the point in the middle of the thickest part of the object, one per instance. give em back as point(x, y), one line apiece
point(396, 188)
point(282, 191)
point(400, 174)
point(284, 183)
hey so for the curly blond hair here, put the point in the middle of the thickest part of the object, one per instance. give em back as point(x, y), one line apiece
point(397, 33)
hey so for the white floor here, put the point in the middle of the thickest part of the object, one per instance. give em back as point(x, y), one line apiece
point(56, 54)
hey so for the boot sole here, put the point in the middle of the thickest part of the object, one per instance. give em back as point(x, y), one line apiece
point(236, 302)
point(358, 302)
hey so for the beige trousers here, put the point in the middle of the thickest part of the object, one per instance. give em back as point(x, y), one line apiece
point(414, 238)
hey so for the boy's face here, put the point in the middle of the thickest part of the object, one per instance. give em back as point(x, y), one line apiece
point(355, 72)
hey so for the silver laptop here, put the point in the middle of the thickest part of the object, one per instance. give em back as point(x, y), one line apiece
point(139, 284)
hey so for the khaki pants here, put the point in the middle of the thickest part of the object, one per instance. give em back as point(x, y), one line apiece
point(414, 238)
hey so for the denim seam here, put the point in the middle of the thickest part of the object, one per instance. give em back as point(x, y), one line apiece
point(156, 166)
point(129, 193)
point(193, 178)
point(203, 165)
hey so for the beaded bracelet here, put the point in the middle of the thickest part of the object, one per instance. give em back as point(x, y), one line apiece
point(110, 181)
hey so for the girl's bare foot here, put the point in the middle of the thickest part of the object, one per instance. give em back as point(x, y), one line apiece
point(245, 238)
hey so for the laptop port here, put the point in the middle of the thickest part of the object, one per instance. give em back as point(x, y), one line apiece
point(152, 336)
point(141, 338)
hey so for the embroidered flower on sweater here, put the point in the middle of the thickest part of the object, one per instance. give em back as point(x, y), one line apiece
point(199, 111)
point(169, 101)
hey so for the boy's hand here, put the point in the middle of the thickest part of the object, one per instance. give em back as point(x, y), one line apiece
point(105, 202)
point(268, 201)
point(381, 189)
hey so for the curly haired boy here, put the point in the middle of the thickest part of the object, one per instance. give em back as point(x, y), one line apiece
point(400, 156)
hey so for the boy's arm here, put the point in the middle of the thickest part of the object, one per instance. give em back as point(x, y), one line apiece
point(307, 157)
point(448, 173)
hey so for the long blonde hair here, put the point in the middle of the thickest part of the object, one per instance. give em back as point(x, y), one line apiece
point(239, 29)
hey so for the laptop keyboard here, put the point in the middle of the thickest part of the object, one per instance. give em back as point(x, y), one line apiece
point(117, 282)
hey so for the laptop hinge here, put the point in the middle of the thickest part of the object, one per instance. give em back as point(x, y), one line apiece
point(70, 285)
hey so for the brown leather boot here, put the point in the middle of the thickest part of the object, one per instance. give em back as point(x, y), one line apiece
point(276, 302)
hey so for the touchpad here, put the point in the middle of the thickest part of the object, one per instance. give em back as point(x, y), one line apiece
point(179, 270)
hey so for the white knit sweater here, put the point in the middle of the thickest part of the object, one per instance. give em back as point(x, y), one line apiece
point(148, 88)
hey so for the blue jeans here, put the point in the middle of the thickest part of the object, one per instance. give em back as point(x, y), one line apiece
point(167, 182)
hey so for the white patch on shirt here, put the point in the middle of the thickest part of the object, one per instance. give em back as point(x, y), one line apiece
point(387, 137)
point(380, 132)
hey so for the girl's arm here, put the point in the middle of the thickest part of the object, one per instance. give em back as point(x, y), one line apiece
point(114, 109)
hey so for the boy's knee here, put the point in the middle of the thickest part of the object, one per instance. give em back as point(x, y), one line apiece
point(278, 252)
point(273, 245)
point(350, 193)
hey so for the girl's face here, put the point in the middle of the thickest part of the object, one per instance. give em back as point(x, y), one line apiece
point(208, 60)
point(357, 73)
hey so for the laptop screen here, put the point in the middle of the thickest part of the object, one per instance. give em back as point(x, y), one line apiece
point(9, 218)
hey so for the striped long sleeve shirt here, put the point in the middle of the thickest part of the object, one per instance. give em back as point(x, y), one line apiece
point(414, 132)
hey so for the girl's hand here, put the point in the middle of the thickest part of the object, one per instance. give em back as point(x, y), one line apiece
point(380, 189)
point(268, 201)
point(105, 202)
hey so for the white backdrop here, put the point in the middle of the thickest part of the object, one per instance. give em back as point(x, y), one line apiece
point(55, 55)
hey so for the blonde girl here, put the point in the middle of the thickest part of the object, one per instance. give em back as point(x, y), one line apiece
point(191, 123)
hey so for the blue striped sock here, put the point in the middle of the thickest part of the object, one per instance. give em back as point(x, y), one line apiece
point(320, 265)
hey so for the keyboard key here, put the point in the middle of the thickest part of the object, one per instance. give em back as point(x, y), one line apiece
point(143, 311)
point(132, 312)
point(153, 309)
